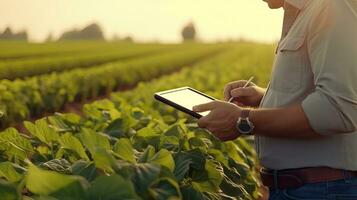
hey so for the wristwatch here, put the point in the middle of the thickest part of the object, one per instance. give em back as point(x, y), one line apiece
point(244, 125)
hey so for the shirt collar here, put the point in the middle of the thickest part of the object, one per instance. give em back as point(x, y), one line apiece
point(299, 4)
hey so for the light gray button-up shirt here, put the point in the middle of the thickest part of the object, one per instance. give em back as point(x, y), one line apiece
point(316, 66)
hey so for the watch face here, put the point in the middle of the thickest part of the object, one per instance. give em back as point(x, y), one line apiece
point(244, 127)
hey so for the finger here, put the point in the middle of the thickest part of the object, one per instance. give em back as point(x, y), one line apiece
point(223, 135)
point(240, 83)
point(203, 122)
point(227, 92)
point(216, 131)
point(210, 123)
point(222, 132)
point(204, 107)
point(217, 126)
point(230, 86)
point(229, 136)
point(239, 102)
point(242, 92)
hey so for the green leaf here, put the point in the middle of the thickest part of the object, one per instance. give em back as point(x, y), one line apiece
point(49, 183)
point(92, 140)
point(15, 146)
point(65, 122)
point(58, 165)
point(137, 113)
point(139, 116)
point(171, 143)
point(84, 169)
point(165, 188)
point(104, 160)
point(69, 142)
point(112, 188)
point(124, 150)
point(210, 179)
point(147, 136)
point(60, 153)
point(147, 132)
point(43, 150)
point(190, 193)
point(118, 128)
point(164, 158)
point(241, 168)
point(144, 175)
point(231, 188)
point(246, 146)
point(233, 174)
point(219, 156)
point(8, 172)
point(198, 159)
point(182, 165)
point(196, 142)
point(234, 151)
point(176, 130)
point(219, 196)
point(70, 118)
point(8, 191)
point(42, 131)
point(147, 154)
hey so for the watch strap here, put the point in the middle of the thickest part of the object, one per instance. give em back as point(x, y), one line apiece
point(245, 113)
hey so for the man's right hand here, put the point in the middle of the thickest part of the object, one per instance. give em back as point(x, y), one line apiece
point(249, 96)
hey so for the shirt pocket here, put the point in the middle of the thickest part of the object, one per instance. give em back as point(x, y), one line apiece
point(289, 63)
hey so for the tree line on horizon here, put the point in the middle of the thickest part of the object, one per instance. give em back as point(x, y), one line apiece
point(9, 35)
point(90, 32)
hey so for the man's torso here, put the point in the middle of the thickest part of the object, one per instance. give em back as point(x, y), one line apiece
point(292, 80)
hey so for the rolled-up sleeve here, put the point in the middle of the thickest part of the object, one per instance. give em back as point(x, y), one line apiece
point(332, 47)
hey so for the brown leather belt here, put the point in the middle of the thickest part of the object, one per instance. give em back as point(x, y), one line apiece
point(293, 178)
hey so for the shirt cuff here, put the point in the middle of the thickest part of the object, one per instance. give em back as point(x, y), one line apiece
point(323, 116)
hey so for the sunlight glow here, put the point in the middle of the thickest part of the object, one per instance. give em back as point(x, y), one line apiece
point(145, 20)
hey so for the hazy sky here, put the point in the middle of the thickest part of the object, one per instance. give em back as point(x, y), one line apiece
point(144, 19)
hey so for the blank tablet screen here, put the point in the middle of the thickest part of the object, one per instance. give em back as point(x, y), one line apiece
point(186, 98)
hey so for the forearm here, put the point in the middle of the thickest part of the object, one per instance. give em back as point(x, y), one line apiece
point(289, 122)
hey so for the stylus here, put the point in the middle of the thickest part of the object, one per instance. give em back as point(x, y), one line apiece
point(245, 85)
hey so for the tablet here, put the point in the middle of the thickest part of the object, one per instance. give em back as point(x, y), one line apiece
point(184, 99)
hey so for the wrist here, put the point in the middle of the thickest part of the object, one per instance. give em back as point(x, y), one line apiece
point(254, 118)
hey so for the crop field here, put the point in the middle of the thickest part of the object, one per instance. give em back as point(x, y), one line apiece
point(120, 143)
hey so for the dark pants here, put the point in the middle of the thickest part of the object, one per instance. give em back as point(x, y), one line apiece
point(345, 189)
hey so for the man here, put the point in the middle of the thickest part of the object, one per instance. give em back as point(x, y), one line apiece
point(305, 125)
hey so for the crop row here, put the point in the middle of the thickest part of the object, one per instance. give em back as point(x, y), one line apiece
point(122, 153)
point(21, 68)
point(121, 149)
point(210, 77)
point(21, 99)
point(10, 50)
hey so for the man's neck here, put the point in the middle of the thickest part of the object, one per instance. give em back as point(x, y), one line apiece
point(290, 15)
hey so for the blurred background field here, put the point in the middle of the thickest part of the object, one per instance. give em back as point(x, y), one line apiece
point(77, 113)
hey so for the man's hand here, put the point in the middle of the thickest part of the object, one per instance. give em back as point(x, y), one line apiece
point(222, 119)
point(249, 96)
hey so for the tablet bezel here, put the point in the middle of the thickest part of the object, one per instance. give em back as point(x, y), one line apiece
point(158, 96)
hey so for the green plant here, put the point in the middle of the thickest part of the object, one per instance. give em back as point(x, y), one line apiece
point(22, 99)
point(132, 147)
point(122, 153)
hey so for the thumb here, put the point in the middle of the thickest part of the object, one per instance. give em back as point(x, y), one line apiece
point(243, 92)
point(204, 107)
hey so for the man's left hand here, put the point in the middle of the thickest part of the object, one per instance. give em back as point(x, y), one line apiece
point(222, 119)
